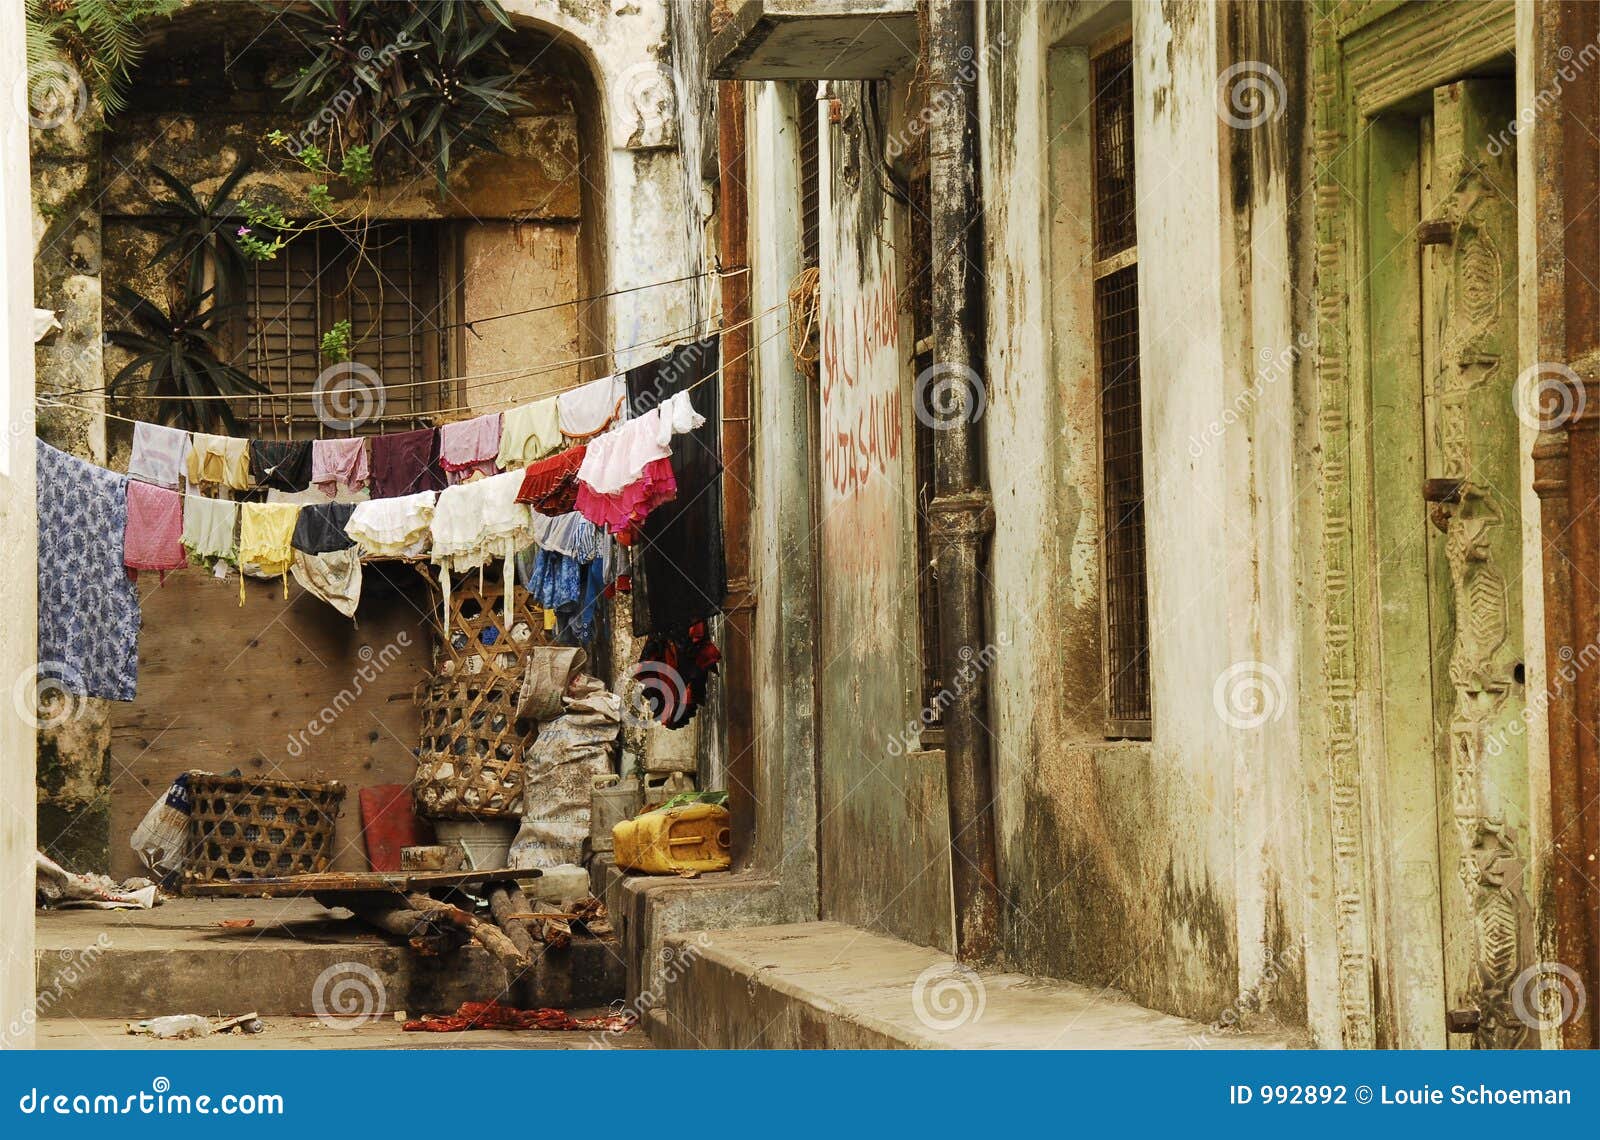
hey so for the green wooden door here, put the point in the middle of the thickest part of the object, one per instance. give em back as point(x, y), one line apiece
point(1469, 279)
point(1443, 333)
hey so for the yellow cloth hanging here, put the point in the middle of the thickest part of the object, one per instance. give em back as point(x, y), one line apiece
point(265, 533)
point(219, 459)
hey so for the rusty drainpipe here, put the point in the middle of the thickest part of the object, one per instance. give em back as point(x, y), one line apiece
point(961, 516)
point(1566, 478)
point(733, 210)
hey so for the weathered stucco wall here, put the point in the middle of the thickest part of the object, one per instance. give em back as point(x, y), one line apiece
point(1167, 869)
point(880, 806)
point(18, 525)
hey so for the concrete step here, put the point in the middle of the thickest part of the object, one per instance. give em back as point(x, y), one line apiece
point(824, 985)
point(176, 959)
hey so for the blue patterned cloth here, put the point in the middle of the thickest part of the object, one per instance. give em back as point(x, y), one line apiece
point(571, 588)
point(88, 606)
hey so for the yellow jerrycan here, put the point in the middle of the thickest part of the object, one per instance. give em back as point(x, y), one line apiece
point(693, 837)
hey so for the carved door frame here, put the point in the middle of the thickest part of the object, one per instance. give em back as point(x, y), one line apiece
point(1367, 56)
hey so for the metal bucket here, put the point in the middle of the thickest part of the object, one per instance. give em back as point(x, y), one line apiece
point(486, 843)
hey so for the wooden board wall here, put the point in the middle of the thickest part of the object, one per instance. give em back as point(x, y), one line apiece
point(223, 686)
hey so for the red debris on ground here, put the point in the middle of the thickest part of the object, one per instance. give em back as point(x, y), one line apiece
point(493, 1015)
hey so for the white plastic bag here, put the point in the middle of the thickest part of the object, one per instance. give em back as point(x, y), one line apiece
point(162, 838)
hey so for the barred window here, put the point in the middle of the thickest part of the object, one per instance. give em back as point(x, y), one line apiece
point(384, 280)
point(1116, 315)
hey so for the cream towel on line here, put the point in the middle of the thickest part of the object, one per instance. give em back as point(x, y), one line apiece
point(587, 410)
point(528, 433)
point(220, 460)
point(478, 521)
point(209, 526)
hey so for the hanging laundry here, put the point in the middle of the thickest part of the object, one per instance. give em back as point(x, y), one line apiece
point(320, 528)
point(312, 497)
point(285, 466)
point(160, 454)
point(333, 576)
point(528, 433)
point(571, 589)
point(265, 534)
point(627, 472)
point(339, 463)
point(589, 410)
point(566, 573)
point(475, 522)
point(209, 529)
point(219, 460)
point(623, 512)
point(469, 447)
point(691, 658)
point(393, 528)
point(88, 606)
point(550, 486)
point(405, 464)
point(679, 576)
point(153, 537)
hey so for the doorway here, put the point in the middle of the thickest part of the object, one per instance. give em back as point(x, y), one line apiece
point(1446, 698)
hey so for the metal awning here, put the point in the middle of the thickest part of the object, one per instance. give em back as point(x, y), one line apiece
point(816, 39)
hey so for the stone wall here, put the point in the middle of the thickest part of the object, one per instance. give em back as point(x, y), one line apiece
point(18, 526)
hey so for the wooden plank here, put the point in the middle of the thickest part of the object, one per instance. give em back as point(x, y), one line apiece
point(274, 688)
point(333, 882)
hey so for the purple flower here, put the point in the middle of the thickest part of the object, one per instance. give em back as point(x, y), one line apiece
point(244, 231)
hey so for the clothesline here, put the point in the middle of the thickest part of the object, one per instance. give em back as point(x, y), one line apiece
point(469, 325)
point(485, 409)
point(499, 376)
point(567, 509)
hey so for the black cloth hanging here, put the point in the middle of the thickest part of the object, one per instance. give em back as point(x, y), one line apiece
point(285, 466)
point(319, 528)
point(680, 575)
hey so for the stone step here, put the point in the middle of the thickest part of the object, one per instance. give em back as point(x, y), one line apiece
point(177, 959)
point(824, 985)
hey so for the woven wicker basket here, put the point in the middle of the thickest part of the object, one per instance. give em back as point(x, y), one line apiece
point(469, 764)
point(246, 827)
point(478, 644)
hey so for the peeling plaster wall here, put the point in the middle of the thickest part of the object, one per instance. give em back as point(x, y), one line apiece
point(18, 526)
point(880, 805)
point(1169, 869)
